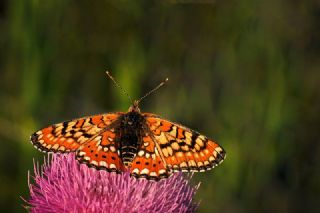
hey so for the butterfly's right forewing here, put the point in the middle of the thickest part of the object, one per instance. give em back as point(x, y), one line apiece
point(184, 149)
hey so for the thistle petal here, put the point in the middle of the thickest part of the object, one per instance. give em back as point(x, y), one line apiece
point(64, 185)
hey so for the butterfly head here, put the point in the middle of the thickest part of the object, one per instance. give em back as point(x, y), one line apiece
point(134, 107)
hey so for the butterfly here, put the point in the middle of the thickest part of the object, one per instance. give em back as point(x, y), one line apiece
point(143, 143)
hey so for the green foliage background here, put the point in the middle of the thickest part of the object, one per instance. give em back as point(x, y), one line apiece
point(243, 72)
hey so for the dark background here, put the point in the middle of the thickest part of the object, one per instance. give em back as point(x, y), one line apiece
point(244, 72)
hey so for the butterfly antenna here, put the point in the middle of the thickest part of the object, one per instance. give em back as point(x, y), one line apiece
point(114, 81)
point(151, 91)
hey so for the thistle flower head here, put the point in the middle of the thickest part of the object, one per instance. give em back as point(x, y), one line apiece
point(64, 185)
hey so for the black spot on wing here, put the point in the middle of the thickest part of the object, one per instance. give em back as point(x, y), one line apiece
point(65, 125)
point(194, 137)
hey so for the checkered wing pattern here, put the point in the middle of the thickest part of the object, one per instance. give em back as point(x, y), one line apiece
point(183, 149)
point(102, 152)
point(70, 135)
point(148, 162)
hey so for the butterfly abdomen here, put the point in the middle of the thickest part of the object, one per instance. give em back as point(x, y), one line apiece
point(128, 147)
point(130, 136)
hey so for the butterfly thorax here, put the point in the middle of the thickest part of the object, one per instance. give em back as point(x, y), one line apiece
point(130, 133)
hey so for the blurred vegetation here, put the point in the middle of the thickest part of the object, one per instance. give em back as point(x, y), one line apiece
point(246, 73)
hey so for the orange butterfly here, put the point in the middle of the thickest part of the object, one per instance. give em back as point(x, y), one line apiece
point(143, 143)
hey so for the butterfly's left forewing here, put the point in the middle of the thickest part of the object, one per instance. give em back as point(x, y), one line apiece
point(184, 149)
point(68, 136)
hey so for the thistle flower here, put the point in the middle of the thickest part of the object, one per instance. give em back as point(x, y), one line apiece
point(64, 185)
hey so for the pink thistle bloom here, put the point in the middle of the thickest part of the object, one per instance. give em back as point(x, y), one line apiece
point(64, 185)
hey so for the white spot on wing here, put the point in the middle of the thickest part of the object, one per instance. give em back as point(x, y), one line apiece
point(56, 146)
point(141, 153)
point(62, 148)
point(112, 149)
point(136, 171)
point(81, 153)
point(103, 163)
point(154, 174)
point(145, 171)
point(94, 163)
point(162, 171)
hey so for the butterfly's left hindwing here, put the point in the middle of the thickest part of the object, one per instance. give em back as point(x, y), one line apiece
point(102, 152)
point(184, 149)
point(69, 135)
